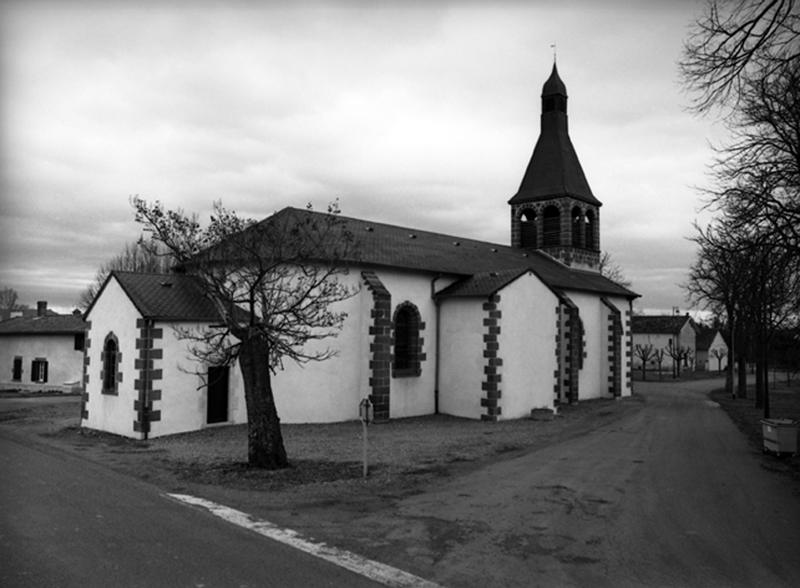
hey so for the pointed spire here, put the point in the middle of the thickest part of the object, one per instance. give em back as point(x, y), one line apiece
point(554, 86)
point(554, 170)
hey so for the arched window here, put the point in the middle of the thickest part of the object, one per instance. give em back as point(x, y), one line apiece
point(528, 230)
point(111, 356)
point(551, 230)
point(407, 341)
point(577, 227)
point(590, 226)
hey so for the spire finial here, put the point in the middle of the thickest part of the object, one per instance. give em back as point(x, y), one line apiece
point(553, 47)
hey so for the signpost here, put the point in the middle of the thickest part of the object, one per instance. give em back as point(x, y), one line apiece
point(365, 414)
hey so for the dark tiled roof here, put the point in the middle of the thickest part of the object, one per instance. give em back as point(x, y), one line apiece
point(705, 336)
point(482, 283)
point(166, 297)
point(659, 325)
point(379, 244)
point(51, 324)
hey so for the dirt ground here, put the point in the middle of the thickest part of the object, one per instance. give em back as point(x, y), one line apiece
point(401, 513)
point(404, 456)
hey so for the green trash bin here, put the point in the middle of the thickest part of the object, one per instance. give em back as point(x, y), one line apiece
point(780, 435)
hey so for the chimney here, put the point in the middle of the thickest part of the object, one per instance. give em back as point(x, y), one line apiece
point(41, 308)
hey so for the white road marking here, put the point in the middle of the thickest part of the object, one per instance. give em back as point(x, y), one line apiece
point(373, 570)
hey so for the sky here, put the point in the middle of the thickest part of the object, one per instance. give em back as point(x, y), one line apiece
point(421, 114)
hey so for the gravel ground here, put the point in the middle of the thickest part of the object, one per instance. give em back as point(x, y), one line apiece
point(404, 455)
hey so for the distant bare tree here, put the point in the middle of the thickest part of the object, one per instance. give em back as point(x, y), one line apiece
point(611, 270)
point(137, 256)
point(719, 355)
point(680, 355)
point(645, 353)
point(658, 356)
point(8, 302)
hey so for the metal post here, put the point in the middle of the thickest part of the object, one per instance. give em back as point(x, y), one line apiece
point(364, 438)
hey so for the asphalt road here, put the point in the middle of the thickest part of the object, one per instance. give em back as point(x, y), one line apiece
point(671, 496)
point(67, 522)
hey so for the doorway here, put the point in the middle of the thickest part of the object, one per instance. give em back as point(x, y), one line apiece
point(217, 410)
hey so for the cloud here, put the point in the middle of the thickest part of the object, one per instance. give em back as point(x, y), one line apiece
point(423, 114)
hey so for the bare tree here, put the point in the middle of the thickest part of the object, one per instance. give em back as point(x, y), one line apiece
point(680, 355)
point(658, 356)
point(645, 353)
point(138, 256)
point(8, 302)
point(274, 284)
point(719, 355)
point(715, 283)
point(611, 270)
point(734, 42)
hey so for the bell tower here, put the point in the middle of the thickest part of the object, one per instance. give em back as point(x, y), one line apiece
point(554, 209)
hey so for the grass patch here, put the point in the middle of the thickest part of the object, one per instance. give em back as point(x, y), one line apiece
point(784, 404)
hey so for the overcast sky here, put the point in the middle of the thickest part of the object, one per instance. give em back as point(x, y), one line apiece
point(414, 113)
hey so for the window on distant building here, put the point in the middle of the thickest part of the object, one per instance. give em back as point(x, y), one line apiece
point(80, 341)
point(111, 356)
point(16, 373)
point(407, 341)
point(39, 370)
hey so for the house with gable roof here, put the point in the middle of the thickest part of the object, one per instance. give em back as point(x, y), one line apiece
point(663, 332)
point(439, 323)
point(712, 350)
point(42, 352)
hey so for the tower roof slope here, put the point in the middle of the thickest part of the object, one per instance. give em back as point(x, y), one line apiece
point(554, 169)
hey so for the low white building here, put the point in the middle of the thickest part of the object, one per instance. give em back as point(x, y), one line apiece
point(42, 352)
point(712, 350)
point(439, 323)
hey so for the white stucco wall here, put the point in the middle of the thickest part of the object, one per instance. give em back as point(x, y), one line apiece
point(64, 363)
point(331, 390)
point(461, 358)
point(624, 307)
point(414, 396)
point(112, 312)
point(527, 345)
point(184, 397)
point(593, 378)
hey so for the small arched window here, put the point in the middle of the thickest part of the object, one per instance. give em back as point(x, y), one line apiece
point(110, 376)
point(528, 231)
point(407, 341)
point(551, 230)
point(577, 227)
point(590, 222)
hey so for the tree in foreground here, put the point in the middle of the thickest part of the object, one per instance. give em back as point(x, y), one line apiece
point(274, 283)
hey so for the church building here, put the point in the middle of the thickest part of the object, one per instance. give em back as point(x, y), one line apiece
point(438, 324)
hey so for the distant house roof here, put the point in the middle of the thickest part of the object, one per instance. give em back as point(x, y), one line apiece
point(379, 244)
point(51, 324)
point(166, 297)
point(705, 336)
point(659, 325)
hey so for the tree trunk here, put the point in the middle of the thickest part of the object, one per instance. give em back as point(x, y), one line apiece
point(765, 361)
point(742, 379)
point(264, 440)
point(759, 383)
